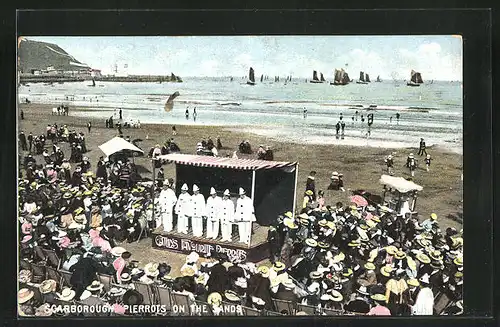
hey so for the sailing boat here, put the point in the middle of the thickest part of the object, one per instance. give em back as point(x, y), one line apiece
point(261, 78)
point(367, 78)
point(416, 79)
point(251, 77)
point(361, 78)
point(378, 79)
point(322, 79)
point(340, 78)
point(315, 78)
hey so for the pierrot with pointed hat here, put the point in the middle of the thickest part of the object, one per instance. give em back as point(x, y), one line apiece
point(183, 209)
point(198, 211)
point(244, 216)
point(214, 204)
point(226, 215)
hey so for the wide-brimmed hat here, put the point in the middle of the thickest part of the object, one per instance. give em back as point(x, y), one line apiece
point(288, 283)
point(231, 296)
point(67, 294)
point(193, 257)
point(116, 292)
point(309, 192)
point(187, 271)
point(290, 224)
point(241, 191)
point(311, 242)
point(117, 251)
point(95, 286)
point(413, 282)
point(43, 311)
point(459, 261)
point(369, 266)
point(331, 225)
point(258, 301)
point(391, 249)
point(264, 271)
point(386, 271)
point(422, 257)
point(278, 266)
point(354, 243)
point(436, 255)
point(79, 219)
point(151, 269)
point(302, 216)
point(347, 272)
point(323, 245)
point(125, 277)
point(48, 286)
point(315, 275)
point(214, 298)
point(24, 295)
point(362, 290)
point(423, 242)
point(25, 276)
point(336, 296)
point(241, 282)
point(400, 254)
point(378, 297)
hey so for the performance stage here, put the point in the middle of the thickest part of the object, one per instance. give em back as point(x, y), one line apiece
point(186, 243)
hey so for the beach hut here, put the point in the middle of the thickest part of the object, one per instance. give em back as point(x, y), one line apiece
point(270, 184)
point(118, 147)
point(400, 194)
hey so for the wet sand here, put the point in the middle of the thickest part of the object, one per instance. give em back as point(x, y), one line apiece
point(361, 166)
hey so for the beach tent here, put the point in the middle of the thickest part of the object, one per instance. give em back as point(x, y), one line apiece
point(403, 193)
point(270, 184)
point(118, 145)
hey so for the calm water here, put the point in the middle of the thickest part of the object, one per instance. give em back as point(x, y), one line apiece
point(276, 109)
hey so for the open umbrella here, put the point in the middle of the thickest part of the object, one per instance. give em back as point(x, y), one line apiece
point(359, 200)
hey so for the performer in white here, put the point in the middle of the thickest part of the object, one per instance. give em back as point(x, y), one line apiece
point(244, 216)
point(226, 216)
point(183, 209)
point(198, 210)
point(167, 200)
point(214, 204)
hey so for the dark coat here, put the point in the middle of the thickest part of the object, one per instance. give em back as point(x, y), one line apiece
point(218, 281)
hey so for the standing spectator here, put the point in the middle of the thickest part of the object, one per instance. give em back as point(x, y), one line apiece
point(428, 162)
point(89, 126)
point(421, 148)
point(30, 141)
point(22, 139)
point(310, 184)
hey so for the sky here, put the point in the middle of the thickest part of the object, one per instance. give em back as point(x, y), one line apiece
point(391, 57)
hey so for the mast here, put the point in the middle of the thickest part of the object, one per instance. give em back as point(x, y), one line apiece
point(315, 76)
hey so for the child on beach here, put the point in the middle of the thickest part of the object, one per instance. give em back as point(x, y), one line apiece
point(390, 164)
point(174, 130)
point(428, 161)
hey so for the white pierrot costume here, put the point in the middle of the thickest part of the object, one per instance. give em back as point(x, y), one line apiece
point(183, 209)
point(213, 209)
point(226, 215)
point(198, 210)
point(244, 215)
point(167, 202)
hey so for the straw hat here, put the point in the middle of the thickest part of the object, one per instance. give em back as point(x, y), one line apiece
point(459, 274)
point(354, 243)
point(379, 297)
point(386, 271)
point(25, 276)
point(315, 275)
point(231, 296)
point(24, 295)
point(331, 225)
point(264, 271)
point(290, 224)
point(214, 298)
point(347, 272)
point(67, 294)
point(116, 292)
point(125, 277)
point(436, 255)
point(311, 242)
point(303, 216)
point(258, 300)
point(289, 214)
point(336, 296)
point(369, 266)
point(288, 283)
point(323, 223)
point(151, 269)
point(413, 282)
point(362, 290)
point(48, 286)
point(185, 271)
point(434, 216)
point(391, 249)
point(193, 257)
point(118, 251)
point(376, 219)
point(85, 295)
point(459, 261)
point(323, 245)
point(309, 192)
point(278, 266)
point(95, 286)
point(400, 254)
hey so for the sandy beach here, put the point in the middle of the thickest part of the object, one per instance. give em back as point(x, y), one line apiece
point(361, 166)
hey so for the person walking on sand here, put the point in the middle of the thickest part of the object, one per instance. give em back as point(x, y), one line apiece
point(411, 163)
point(390, 164)
point(121, 114)
point(342, 126)
point(194, 114)
point(390, 120)
point(421, 147)
point(305, 113)
point(397, 117)
point(428, 162)
point(89, 126)
point(30, 141)
point(174, 130)
point(187, 113)
point(22, 115)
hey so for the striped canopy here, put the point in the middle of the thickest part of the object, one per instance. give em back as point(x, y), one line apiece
point(217, 162)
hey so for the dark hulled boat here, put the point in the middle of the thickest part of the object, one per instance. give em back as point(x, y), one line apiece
point(416, 79)
point(251, 77)
point(315, 77)
point(362, 79)
point(340, 78)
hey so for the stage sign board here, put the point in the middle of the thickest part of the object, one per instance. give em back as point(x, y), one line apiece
point(205, 248)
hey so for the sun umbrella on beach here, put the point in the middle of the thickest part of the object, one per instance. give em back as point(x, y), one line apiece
point(359, 200)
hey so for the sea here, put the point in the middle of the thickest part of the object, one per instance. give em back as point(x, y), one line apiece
point(434, 110)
